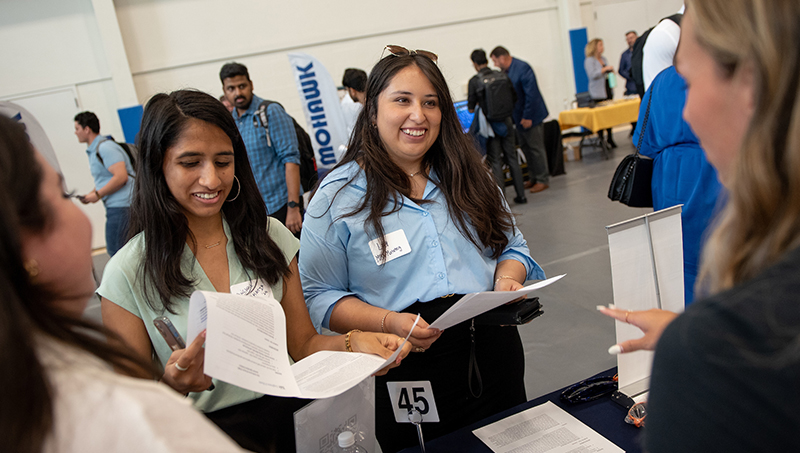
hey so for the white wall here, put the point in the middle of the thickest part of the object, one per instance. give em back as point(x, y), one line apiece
point(172, 44)
point(611, 19)
point(340, 36)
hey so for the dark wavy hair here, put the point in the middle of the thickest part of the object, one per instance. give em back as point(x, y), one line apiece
point(26, 309)
point(155, 211)
point(473, 198)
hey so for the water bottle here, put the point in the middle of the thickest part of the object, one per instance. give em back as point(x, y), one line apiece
point(347, 443)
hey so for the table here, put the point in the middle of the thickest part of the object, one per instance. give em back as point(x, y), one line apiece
point(602, 415)
point(604, 116)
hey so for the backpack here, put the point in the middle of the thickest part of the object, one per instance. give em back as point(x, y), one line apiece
point(499, 96)
point(637, 57)
point(130, 149)
point(308, 164)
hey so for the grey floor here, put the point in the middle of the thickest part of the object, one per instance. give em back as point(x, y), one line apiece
point(565, 230)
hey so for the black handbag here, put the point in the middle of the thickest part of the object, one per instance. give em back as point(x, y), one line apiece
point(631, 184)
point(513, 314)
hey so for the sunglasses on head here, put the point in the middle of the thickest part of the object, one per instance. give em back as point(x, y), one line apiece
point(400, 51)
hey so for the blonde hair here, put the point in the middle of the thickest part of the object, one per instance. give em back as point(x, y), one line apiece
point(761, 220)
point(591, 47)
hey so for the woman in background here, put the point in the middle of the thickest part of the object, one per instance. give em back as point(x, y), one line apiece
point(59, 392)
point(726, 373)
point(597, 69)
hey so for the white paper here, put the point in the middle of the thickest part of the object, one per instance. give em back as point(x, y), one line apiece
point(473, 304)
point(246, 346)
point(544, 428)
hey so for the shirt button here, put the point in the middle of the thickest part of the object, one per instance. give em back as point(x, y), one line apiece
point(435, 244)
point(424, 214)
point(440, 275)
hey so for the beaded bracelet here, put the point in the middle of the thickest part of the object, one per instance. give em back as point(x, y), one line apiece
point(347, 346)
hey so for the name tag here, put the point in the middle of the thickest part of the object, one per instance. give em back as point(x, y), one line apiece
point(253, 288)
point(396, 246)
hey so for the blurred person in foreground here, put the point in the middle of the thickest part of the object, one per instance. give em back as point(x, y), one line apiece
point(59, 391)
point(726, 371)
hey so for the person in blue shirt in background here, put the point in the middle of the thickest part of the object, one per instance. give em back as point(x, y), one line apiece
point(407, 221)
point(275, 158)
point(625, 68)
point(113, 182)
point(681, 172)
point(625, 63)
point(529, 115)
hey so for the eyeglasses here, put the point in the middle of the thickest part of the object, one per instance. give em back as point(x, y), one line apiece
point(589, 389)
point(637, 414)
point(400, 51)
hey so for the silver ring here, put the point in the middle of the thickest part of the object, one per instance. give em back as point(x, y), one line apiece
point(180, 368)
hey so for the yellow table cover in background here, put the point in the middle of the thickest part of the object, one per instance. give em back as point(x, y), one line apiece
point(604, 116)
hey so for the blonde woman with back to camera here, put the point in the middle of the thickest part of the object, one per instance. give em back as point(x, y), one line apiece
point(726, 374)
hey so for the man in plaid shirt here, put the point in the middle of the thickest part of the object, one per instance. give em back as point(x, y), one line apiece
point(275, 157)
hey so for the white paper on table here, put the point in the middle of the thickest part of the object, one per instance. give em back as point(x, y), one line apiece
point(474, 304)
point(634, 276)
point(246, 347)
point(544, 428)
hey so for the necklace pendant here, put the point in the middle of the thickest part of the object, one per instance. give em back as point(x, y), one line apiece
point(213, 245)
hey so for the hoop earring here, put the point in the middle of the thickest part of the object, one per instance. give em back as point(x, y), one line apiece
point(237, 193)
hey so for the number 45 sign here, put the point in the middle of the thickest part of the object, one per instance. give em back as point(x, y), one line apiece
point(408, 395)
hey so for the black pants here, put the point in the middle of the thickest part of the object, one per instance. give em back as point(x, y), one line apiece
point(501, 362)
point(263, 425)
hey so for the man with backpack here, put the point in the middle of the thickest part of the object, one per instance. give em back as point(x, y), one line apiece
point(112, 171)
point(529, 114)
point(493, 92)
point(270, 138)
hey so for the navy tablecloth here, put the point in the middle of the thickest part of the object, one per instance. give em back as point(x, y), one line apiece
point(603, 415)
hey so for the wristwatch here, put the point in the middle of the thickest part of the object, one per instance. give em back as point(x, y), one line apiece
point(292, 204)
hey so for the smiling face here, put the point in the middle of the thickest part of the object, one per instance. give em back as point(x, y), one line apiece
point(719, 106)
point(199, 170)
point(408, 118)
point(82, 133)
point(63, 249)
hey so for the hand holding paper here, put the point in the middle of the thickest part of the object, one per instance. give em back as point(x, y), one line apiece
point(474, 304)
point(246, 347)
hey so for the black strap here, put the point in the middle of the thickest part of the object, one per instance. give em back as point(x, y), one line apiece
point(100, 158)
point(473, 365)
point(644, 122)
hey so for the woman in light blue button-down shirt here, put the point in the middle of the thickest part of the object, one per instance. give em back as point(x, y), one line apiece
point(408, 218)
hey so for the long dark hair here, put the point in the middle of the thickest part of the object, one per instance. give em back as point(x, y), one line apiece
point(472, 196)
point(26, 309)
point(156, 212)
